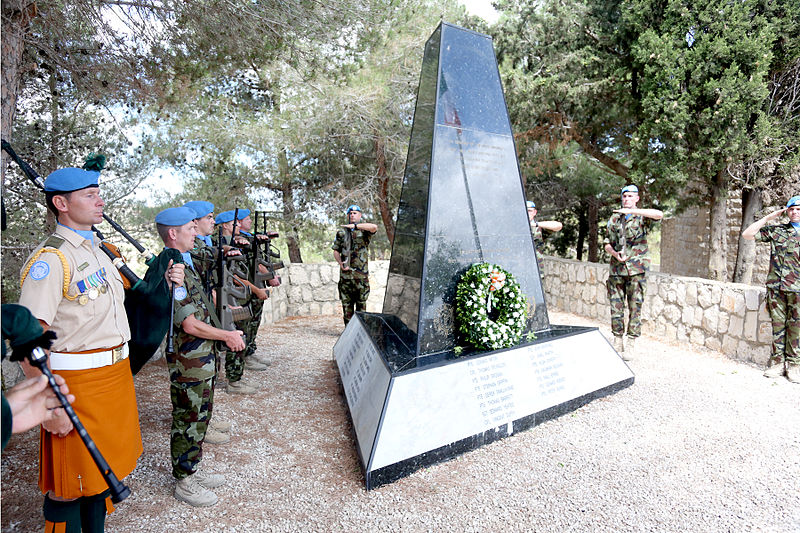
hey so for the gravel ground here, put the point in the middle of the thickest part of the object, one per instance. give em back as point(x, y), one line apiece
point(698, 443)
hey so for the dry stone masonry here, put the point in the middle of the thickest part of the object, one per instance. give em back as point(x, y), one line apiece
point(727, 317)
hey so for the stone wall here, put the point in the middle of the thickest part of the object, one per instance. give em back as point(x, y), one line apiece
point(728, 317)
point(311, 289)
point(685, 247)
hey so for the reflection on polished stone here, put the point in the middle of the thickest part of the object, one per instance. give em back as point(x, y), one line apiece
point(412, 401)
point(462, 200)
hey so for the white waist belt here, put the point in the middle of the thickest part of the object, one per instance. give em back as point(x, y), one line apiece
point(85, 361)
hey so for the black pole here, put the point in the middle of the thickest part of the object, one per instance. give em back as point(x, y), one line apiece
point(170, 341)
point(39, 182)
point(119, 491)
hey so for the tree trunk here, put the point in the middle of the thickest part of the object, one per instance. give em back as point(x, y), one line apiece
point(594, 230)
point(383, 189)
point(746, 250)
point(583, 229)
point(16, 21)
point(287, 196)
point(718, 241)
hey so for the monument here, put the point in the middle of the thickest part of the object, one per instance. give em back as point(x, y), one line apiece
point(415, 396)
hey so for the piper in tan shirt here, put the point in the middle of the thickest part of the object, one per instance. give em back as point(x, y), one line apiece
point(73, 288)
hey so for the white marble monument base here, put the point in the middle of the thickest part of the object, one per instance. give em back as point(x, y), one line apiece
point(406, 420)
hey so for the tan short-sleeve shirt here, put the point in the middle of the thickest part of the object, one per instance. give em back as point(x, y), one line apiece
point(99, 323)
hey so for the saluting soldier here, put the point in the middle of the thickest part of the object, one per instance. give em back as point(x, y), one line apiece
point(626, 242)
point(783, 287)
point(73, 289)
point(350, 251)
point(192, 368)
point(536, 231)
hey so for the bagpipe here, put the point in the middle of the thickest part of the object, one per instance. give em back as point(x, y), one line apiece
point(148, 300)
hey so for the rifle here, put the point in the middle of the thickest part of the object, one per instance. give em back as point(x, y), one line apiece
point(264, 257)
point(113, 254)
point(228, 309)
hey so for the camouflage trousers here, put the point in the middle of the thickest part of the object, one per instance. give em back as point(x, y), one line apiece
point(234, 365)
point(234, 361)
point(620, 290)
point(192, 404)
point(784, 311)
point(354, 294)
point(252, 327)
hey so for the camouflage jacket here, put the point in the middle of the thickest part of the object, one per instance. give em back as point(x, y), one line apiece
point(204, 263)
point(784, 257)
point(629, 237)
point(194, 359)
point(359, 256)
point(538, 241)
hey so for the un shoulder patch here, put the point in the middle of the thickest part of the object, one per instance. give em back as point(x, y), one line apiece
point(39, 270)
point(180, 293)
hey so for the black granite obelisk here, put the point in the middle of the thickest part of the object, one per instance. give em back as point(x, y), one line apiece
point(411, 400)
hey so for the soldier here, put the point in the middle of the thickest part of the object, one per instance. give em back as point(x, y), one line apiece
point(536, 231)
point(192, 368)
point(626, 242)
point(783, 288)
point(256, 304)
point(201, 257)
point(236, 363)
point(74, 290)
point(350, 251)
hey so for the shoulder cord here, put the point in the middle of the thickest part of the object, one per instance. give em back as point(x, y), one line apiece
point(64, 264)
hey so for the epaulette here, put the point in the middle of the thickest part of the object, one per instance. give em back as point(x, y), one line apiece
point(53, 241)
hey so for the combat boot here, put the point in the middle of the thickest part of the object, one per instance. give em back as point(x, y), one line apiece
point(619, 344)
point(190, 491)
point(252, 364)
point(793, 373)
point(261, 359)
point(208, 480)
point(775, 371)
point(630, 349)
point(220, 425)
point(238, 387)
point(216, 437)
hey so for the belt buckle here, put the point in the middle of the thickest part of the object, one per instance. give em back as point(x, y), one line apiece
point(116, 355)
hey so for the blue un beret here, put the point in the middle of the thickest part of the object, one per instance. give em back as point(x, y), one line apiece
point(71, 179)
point(353, 207)
point(794, 200)
point(200, 207)
point(530, 205)
point(175, 216)
point(227, 216)
point(629, 188)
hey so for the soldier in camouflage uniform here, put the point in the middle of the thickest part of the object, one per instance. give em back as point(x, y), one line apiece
point(192, 369)
point(202, 258)
point(350, 251)
point(626, 242)
point(536, 232)
point(257, 299)
point(236, 363)
point(783, 288)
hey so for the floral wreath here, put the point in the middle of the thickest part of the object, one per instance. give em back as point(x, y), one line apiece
point(491, 310)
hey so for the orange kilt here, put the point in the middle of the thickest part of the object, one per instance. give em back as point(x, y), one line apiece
point(105, 402)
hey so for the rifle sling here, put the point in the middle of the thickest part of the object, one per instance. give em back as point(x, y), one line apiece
point(212, 311)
